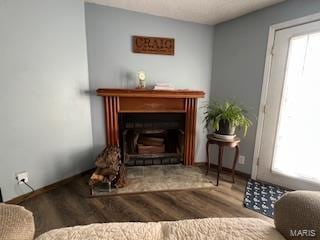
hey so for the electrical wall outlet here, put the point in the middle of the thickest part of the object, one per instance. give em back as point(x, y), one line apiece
point(242, 159)
point(22, 176)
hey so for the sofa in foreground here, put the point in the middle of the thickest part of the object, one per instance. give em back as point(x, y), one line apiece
point(16, 223)
point(195, 229)
point(297, 216)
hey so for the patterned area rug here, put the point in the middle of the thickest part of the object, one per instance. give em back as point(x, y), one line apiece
point(260, 197)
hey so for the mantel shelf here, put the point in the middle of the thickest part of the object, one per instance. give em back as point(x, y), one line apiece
point(179, 93)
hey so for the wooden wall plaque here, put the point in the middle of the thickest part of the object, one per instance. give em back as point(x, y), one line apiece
point(153, 45)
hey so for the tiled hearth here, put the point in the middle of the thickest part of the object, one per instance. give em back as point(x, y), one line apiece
point(162, 178)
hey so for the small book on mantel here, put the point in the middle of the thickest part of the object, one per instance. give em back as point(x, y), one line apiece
point(164, 86)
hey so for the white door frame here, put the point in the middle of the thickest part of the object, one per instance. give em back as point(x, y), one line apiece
point(266, 77)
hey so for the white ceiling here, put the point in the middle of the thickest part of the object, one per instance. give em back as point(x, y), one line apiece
point(199, 11)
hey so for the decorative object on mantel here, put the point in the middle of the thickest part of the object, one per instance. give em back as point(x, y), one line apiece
point(110, 172)
point(225, 117)
point(153, 45)
point(163, 86)
point(142, 79)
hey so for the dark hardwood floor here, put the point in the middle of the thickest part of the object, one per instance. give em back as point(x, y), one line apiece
point(71, 205)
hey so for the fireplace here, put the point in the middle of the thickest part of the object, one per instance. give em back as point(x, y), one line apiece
point(152, 138)
point(151, 126)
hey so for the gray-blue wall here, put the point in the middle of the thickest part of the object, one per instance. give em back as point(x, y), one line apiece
point(45, 111)
point(239, 56)
point(45, 122)
point(113, 65)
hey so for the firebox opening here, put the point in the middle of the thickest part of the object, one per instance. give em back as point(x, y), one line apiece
point(152, 138)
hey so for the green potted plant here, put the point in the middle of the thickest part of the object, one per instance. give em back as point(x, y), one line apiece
point(225, 117)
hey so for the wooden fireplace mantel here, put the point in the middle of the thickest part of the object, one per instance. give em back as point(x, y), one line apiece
point(149, 93)
point(148, 101)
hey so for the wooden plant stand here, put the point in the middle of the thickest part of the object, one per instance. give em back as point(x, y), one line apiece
point(222, 144)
